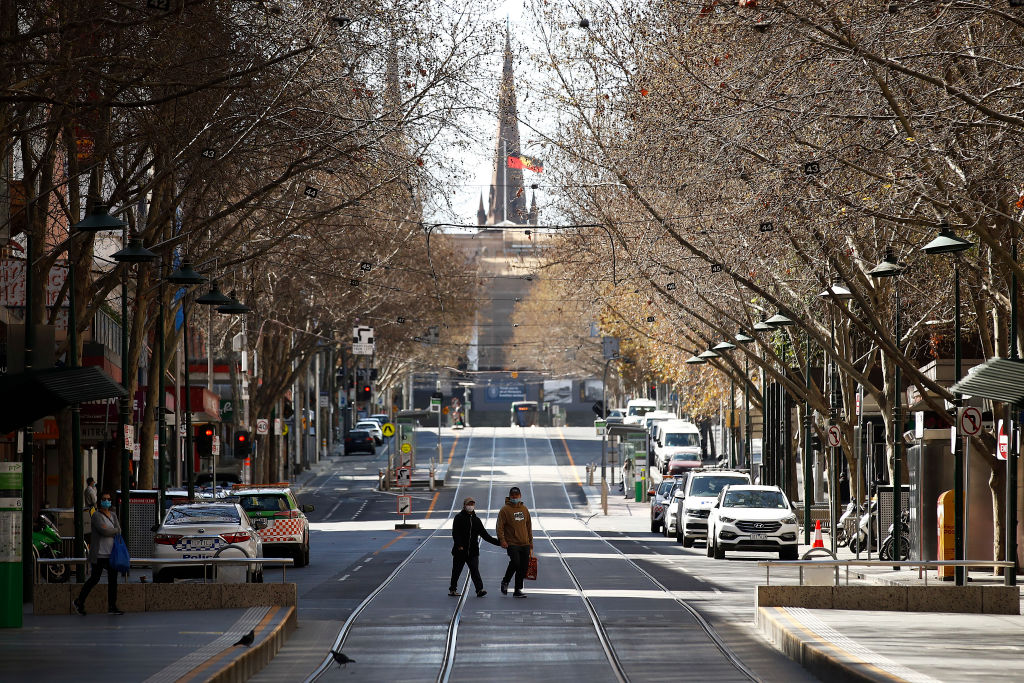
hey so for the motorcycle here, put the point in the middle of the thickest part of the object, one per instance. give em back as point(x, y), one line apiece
point(902, 553)
point(858, 541)
point(844, 530)
point(47, 544)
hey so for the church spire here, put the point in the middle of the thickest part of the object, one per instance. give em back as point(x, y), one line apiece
point(534, 211)
point(508, 196)
point(481, 213)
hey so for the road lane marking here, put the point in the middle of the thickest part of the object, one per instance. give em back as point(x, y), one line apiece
point(344, 577)
point(452, 451)
point(388, 544)
point(433, 502)
point(572, 462)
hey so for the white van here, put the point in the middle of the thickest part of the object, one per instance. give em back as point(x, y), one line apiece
point(637, 408)
point(675, 437)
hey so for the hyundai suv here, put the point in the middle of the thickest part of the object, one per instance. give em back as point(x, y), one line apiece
point(701, 493)
point(752, 518)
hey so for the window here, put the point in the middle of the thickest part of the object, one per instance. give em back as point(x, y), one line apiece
point(711, 486)
point(755, 499)
point(198, 514)
point(267, 503)
point(680, 439)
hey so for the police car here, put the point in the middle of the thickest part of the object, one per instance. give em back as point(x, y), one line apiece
point(287, 530)
point(207, 530)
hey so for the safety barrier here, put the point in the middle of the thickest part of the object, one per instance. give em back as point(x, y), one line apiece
point(921, 565)
point(283, 562)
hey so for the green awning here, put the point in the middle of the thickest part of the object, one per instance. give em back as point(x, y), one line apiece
point(998, 379)
point(29, 396)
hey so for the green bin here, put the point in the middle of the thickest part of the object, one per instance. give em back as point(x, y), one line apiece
point(639, 490)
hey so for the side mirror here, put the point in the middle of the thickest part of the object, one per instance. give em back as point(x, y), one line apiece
point(306, 508)
point(651, 492)
point(260, 523)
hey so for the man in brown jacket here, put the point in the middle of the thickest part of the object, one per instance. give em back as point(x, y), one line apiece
point(515, 534)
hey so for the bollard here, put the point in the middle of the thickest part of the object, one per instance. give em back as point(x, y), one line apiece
point(431, 475)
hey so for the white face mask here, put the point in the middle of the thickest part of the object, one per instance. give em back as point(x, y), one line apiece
point(470, 508)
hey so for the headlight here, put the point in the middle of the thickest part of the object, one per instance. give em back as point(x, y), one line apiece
point(727, 520)
point(789, 520)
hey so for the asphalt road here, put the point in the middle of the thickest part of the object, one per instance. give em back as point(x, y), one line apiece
point(402, 634)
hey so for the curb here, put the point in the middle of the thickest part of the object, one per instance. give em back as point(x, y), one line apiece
point(277, 625)
point(813, 652)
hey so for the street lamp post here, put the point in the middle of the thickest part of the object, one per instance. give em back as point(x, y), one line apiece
point(890, 267)
point(604, 437)
point(836, 292)
point(948, 243)
point(185, 275)
point(778, 321)
point(744, 338)
point(1010, 577)
point(720, 347)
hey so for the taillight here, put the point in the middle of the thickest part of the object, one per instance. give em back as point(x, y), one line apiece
point(238, 537)
point(166, 539)
point(290, 514)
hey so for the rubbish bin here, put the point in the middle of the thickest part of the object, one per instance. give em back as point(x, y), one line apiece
point(599, 426)
point(639, 486)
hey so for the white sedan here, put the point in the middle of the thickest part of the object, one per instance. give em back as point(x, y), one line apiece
point(208, 530)
point(373, 427)
point(752, 518)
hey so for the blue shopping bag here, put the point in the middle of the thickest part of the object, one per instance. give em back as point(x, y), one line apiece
point(120, 560)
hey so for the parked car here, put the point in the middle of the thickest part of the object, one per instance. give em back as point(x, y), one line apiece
point(752, 518)
point(287, 529)
point(683, 462)
point(374, 429)
point(674, 508)
point(207, 530)
point(660, 501)
point(700, 496)
point(380, 418)
point(360, 441)
point(637, 408)
point(615, 416)
point(675, 437)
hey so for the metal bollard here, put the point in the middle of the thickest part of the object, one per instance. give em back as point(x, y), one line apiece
point(431, 475)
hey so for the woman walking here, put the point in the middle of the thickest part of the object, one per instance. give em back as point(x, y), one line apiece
point(105, 526)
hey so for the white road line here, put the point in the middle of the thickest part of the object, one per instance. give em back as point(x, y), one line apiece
point(344, 577)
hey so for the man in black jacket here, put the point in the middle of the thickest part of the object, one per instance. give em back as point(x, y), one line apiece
point(467, 530)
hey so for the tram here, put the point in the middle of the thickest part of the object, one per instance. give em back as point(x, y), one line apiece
point(524, 413)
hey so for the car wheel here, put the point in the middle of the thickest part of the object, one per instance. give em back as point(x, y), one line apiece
point(654, 526)
point(298, 556)
point(687, 542)
point(788, 553)
point(711, 548)
point(305, 554)
point(162, 576)
point(719, 551)
point(664, 530)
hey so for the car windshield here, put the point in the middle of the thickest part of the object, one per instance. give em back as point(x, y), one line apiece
point(359, 434)
point(640, 410)
point(196, 514)
point(666, 487)
point(682, 439)
point(368, 425)
point(710, 487)
point(264, 503)
point(686, 457)
point(755, 499)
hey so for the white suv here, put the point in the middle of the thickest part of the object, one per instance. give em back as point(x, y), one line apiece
point(753, 518)
point(701, 493)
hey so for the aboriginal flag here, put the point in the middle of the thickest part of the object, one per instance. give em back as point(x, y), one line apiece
point(526, 163)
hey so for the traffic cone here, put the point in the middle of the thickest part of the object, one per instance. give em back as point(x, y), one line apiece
point(818, 542)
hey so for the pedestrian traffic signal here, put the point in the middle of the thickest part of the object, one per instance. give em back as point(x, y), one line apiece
point(204, 442)
point(243, 444)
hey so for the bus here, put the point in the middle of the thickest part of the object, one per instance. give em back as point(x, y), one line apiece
point(524, 414)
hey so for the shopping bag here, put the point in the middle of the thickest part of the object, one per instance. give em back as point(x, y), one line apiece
point(120, 560)
point(531, 569)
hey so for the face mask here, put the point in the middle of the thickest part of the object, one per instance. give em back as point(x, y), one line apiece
point(470, 508)
point(514, 501)
point(104, 503)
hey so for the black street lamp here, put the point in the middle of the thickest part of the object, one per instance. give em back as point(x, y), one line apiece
point(722, 347)
point(890, 267)
point(778, 321)
point(745, 339)
point(185, 275)
point(947, 242)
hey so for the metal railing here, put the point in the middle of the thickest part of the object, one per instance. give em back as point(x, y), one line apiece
point(922, 565)
point(208, 562)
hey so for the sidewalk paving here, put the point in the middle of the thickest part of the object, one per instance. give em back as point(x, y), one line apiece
point(855, 645)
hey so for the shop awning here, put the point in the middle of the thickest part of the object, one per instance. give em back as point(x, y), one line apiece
point(999, 379)
point(28, 396)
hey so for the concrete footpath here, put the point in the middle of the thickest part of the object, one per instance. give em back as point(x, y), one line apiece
point(855, 645)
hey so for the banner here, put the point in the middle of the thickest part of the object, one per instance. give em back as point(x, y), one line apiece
point(526, 163)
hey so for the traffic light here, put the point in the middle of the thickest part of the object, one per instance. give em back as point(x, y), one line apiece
point(365, 392)
point(204, 442)
point(815, 443)
point(598, 409)
point(243, 444)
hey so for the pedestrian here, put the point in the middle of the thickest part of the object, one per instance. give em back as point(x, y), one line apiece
point(105, 526)
point(515, 533)
point(467, 530)
point(90, 494)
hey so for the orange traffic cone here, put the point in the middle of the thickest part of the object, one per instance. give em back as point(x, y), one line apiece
point(818, 542)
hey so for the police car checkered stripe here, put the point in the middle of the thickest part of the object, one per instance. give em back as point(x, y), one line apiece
point(284, 530)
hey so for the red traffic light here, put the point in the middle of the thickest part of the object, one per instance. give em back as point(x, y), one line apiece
point(242, 438)
point(208, 431)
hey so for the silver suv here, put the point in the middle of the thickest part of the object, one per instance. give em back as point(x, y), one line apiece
point(700, 495)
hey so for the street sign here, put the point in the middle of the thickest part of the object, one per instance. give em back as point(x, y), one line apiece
point(404, 505)
point(181, 431)
point(435, 405)
point(262, 426)
point(129, 437)
point(833, 436)
point(970, 420)
point(215, 450)
point(387, 429)
point(1003, 449)
point(362, 341)
point(406, 448)
point(277, 425)
point(403, 477)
